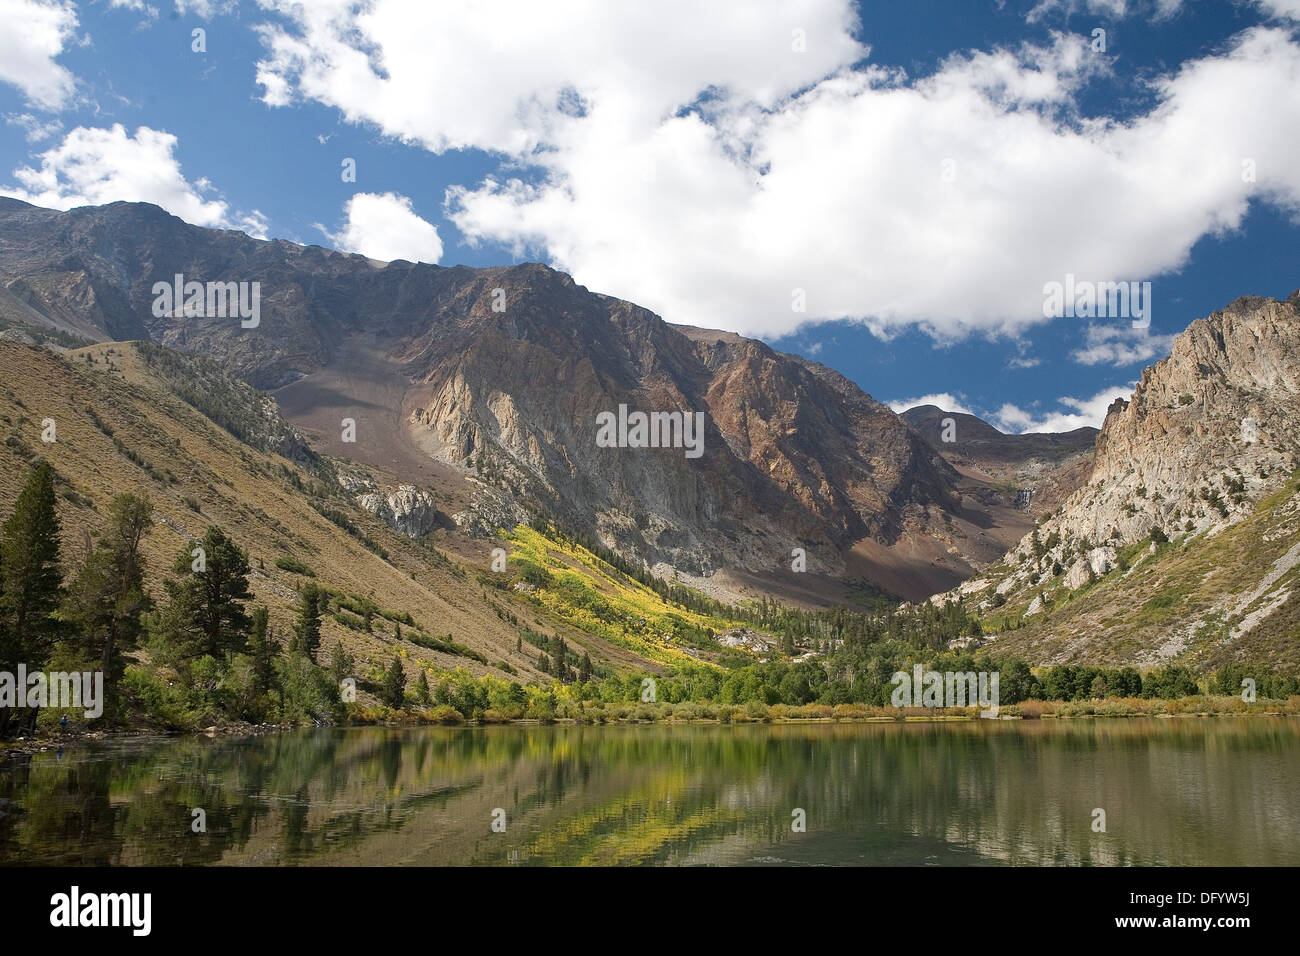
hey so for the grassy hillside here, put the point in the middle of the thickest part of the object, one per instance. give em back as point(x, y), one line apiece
point(124, 423)
point(588, 593)
point(1201, 600)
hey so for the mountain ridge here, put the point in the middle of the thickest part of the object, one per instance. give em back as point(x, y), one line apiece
point(502, 372)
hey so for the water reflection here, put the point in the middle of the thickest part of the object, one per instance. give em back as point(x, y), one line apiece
point(1179, 792)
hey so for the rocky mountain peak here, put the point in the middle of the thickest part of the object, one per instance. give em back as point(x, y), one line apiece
point(1208, 431)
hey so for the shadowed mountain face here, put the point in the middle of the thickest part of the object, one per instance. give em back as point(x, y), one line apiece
point(1043, 468)
point(489, 382)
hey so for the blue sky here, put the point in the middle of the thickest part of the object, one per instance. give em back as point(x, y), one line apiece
point(884, 187)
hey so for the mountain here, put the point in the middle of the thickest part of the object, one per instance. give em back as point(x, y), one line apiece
point(393, 423)
point(483, 387)
point(201, 446)
point(1185, 540)
point(1040, 469)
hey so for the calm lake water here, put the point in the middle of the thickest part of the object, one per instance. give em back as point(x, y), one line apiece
point(1179, 792)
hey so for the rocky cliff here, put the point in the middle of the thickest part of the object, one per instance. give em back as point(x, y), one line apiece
point(1183, 540)
point(498, 375)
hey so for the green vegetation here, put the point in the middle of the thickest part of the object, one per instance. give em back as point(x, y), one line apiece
point(294, 566)
point(213, 656)
point(232, 404)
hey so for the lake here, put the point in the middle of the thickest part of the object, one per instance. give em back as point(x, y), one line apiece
point(1184, 791)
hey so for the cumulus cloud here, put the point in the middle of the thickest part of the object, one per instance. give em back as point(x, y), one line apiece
point(94, 166)
point(1121, 345)
point(510, 75)
point(944, 400)
point(384, 226)
point(35, 33)
point(687, 157)
point(1086, 412)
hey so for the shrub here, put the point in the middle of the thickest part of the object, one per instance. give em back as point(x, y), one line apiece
point(309, 693)
point(350, 620)
point(293, 565)
point(159, 702)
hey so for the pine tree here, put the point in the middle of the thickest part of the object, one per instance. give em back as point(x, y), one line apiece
point(263, 649)
point(393, 692)
point(30, 574)
point(205, 609)
point(223, 589)
point(306, 634)
point(106, 599)
point(561, 663)
point(584, 670)
point(422, 688)
point(341, 663)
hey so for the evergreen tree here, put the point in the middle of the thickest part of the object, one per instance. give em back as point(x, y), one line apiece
point(205, 609)
point(30, 575)
point(341, 663)
point(222, 590)
point(561, 663)
point(106, 599)
point(306, 633)
point(393, 693)
point(263, 648)
point(175, 635)
point(422, 688)
point(584, 670)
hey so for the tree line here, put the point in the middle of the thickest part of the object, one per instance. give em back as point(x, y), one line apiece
point(96, 614)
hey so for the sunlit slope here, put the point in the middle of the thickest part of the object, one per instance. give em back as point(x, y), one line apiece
point(571, 582)
point(119, 425)
point(1203, 599)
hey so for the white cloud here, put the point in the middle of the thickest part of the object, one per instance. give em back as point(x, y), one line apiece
point(34, 33)
point(1280, 9)
point(710, 180)
point(1121, 345)
point(1156, 10)
point(384, 226)
point(36, 129)
point(1065, 8)
point(506, 75)
point(206, 9)
point(136, 6)
point(1087, 412)
point(949, 403)
point(96, 166)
